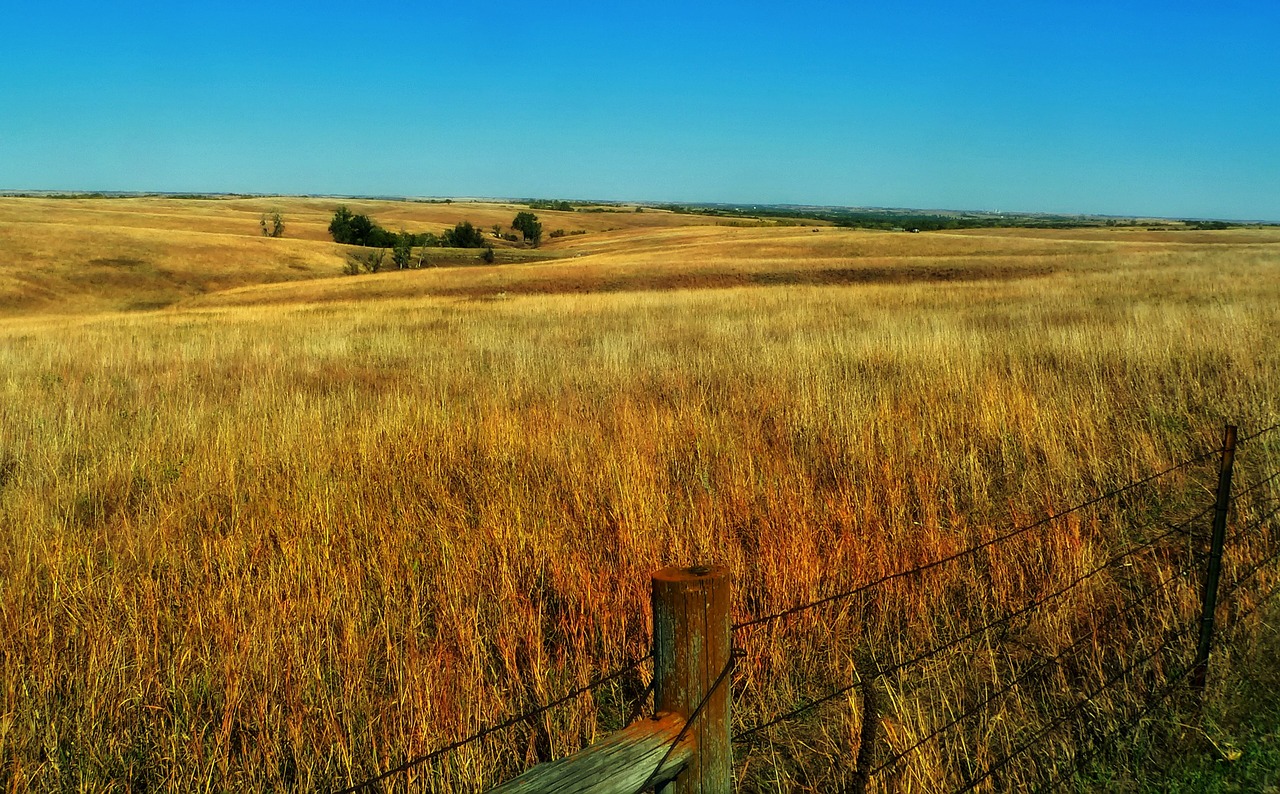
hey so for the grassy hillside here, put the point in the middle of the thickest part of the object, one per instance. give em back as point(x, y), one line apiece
point(295, 527)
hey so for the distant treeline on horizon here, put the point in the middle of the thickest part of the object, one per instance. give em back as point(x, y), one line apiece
point(848, 217)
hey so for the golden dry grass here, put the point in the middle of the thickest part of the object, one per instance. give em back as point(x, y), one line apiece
point(288, 535)
point(88, 255)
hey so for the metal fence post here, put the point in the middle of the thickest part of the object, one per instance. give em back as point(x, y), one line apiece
point(692, 647)
point(1209, 599)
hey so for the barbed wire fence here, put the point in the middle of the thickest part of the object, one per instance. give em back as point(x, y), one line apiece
point(1097, 700)
point(1150, 675)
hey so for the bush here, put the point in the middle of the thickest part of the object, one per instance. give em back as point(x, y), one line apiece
point(557, 233)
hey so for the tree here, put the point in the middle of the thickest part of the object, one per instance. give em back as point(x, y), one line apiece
point(350, 229)
point(272, 225)
point(488, 256)
point(402, 253)
point(527, 224)
point(464, 235)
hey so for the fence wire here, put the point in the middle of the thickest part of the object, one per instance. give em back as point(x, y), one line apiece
point(976, 547)
point(1001, 621)
point(508, 723)
point(1264, 431)
point(1066, 652)
point(1087, 700)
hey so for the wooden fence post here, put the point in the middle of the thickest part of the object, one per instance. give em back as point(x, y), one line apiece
point(672, 751)
point(1209, 599)
point(692, 647)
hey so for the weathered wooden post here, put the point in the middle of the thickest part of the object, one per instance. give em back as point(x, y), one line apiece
point(1209, 598)
point(692, 647)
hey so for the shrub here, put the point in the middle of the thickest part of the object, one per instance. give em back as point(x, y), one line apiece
point(365, 262)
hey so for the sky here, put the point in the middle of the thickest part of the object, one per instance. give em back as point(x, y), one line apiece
point(1122, 108)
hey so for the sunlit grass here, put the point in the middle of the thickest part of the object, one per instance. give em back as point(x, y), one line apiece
point(290, 544)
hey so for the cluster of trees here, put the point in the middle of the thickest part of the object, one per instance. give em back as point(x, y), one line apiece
point(463, 235)
point(543, 204)
point(350, 228)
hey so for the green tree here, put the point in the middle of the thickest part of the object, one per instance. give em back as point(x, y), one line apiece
point(350, 229)
point(464, 235)
point(527, 224)
point(488, 256)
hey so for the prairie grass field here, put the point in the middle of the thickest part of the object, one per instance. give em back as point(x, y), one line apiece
point(266, 527)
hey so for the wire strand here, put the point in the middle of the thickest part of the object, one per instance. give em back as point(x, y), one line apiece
point(1261, 432)
point(1085, 701)
point(734, 655)
point(796, 712)
point(1034, 604)
point(483, 732)
point(1251, 572)
point(1124, 727)
point(975, 548)
point(1169, 687)
point(1255, 486)
point(1257, 605)
point(1261, 520)
point(1057, 658)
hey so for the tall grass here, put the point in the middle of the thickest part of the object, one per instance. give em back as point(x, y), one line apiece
point(287, 546)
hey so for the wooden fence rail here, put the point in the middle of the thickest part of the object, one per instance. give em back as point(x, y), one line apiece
point(686, 747)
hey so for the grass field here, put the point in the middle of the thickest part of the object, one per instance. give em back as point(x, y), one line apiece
point(270, 527)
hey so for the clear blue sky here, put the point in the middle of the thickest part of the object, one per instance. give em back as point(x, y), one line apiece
point(1168, 109)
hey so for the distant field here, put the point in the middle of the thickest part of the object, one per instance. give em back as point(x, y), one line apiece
point(268, 526)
